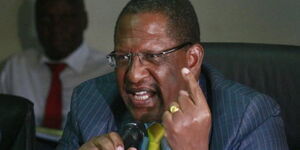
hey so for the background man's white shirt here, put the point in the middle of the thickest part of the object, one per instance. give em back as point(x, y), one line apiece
point(26, 74)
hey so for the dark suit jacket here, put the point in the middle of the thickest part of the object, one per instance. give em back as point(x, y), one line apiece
point(242, 118)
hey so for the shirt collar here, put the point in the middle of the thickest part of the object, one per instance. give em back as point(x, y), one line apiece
point(75, 60)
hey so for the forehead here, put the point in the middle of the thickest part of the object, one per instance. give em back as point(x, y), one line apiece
point(143, 31)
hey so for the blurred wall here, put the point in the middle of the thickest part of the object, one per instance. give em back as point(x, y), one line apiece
point(251, 21)
point(9, 41)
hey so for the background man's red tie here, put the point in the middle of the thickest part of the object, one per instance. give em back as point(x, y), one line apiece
point(53, 108)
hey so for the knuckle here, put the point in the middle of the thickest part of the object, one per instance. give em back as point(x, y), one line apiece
point(204, 117)
point(177, 129)
point(98, 139)
point(111, 134)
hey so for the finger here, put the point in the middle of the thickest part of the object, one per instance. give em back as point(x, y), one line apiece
point(194, 89)
point(88, 146)
point(131, 148)
point(184, 101)
point(103, 142)
point(110, 141)
point(167, 121)
point(167, 118)
point(117, 140)
point(173, 117)
point(174, 107)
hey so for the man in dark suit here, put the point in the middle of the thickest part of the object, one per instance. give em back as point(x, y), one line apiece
point(160, 77)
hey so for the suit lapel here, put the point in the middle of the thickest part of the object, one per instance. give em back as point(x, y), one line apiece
point(107, 86)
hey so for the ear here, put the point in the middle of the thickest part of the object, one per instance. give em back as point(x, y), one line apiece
point(194, 58)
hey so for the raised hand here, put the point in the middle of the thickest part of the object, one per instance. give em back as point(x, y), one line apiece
point(188, 127)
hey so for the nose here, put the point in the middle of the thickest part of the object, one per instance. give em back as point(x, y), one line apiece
point(136, 71)
point(58, 25)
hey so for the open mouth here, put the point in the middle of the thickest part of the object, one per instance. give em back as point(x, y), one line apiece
point(141, 97)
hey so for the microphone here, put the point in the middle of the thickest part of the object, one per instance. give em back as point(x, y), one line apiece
point(132, 134)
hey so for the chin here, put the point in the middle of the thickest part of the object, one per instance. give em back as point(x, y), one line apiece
point(146, 116)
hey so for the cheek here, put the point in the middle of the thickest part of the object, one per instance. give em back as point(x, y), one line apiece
point(120, 75)
point(74, 31)
point(170, 81)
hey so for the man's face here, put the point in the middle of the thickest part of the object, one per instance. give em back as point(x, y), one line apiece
point(146, 88)
point(60, 27)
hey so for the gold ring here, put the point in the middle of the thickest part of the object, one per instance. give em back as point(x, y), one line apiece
point(173, 109)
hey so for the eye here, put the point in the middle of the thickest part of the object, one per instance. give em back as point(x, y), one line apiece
point(151, 56)
point(120, 57)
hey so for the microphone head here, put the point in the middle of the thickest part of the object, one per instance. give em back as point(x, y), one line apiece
point(132, 134)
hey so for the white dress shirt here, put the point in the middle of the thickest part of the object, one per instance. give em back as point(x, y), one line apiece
point(26, 74)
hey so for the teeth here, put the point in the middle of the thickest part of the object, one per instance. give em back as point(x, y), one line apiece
point(140, 93)
point(141, 98)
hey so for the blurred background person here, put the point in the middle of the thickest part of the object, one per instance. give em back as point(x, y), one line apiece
point(47, 77)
